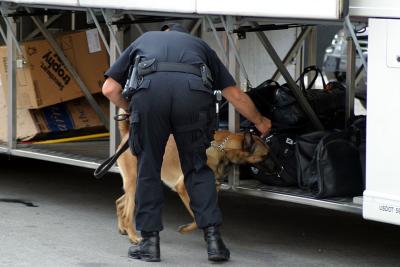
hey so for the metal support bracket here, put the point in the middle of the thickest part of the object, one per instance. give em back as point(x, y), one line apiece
point(138, 27)
point(229, 32)
point(359, 75)
point(12, 88)
point(233, 115)
point(350, 30)
point(114, 50)
point(3, 34)
point(114, 136)
point(103, 38)
point(311, 48)
point(50, 21)
point(291, 83)
point(71, 70)
point(11, 31)
point(73, 21)
point(219, 43)
point(293, 50)
point(195, 26)
point(350, 78)
point(112, 33)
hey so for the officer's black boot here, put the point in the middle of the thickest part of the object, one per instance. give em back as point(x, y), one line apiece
point(148, 249)
point(216, 248)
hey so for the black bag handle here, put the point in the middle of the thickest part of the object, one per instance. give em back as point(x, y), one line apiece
point(307, 70)
point(267, 83)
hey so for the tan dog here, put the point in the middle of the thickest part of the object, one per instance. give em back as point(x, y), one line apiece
point(225, 149)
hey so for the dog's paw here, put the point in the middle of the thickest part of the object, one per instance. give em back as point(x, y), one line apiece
point(182, 228)
point(135, 239)
point(186, 228)
point(122, 231)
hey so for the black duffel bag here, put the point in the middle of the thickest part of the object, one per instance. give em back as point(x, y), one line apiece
point(278, 103)
point(332, 168)
point(263, 95)
point(359, 127)
point(328, 103)
point(304, 155)
point(280, 168)
point(285, 110)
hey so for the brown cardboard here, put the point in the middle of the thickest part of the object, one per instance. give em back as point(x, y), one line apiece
point(45, 81)
point(26, 127)
point(64, 119)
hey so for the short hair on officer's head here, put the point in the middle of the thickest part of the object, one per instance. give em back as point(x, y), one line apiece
point(174, 27)
point(165, 27)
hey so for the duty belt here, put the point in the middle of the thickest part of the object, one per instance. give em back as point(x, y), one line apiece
point(142, 68)
point(150, 66)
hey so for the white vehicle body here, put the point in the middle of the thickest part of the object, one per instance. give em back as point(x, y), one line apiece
point(381, 199)
point(382, 194)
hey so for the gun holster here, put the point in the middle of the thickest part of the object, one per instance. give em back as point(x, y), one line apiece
point(206, 76)
point(134, 80)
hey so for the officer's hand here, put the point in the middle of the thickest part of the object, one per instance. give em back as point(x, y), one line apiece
point(264, 126)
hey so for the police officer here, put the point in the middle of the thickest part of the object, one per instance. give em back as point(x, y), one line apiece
point(171, 91)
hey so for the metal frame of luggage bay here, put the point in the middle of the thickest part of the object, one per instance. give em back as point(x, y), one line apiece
point(61, 153)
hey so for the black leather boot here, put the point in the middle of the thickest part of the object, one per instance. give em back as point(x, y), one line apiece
point(216, 248)
point(148, 248)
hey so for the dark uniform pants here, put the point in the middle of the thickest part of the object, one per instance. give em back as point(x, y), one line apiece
point(177, 103)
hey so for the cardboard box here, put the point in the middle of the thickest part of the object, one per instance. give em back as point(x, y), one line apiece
point(72, 118)
point(26, 127)
point(45, 81)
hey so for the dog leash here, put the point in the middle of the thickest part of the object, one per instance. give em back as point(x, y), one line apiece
point(108, 163)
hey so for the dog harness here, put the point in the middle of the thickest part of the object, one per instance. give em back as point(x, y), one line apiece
point(220, 147)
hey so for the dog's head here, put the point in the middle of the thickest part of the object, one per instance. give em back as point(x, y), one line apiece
point(240, 149)
point(257, 150)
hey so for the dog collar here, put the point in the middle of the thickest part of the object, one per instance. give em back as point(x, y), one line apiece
point(221, 146)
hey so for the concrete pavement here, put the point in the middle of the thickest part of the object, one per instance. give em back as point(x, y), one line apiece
point(74, 224)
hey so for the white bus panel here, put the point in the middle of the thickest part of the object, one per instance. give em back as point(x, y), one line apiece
point(49, 2)
point(382, 194)
point(173, 6)
point(294, 9)
point(374, 8)
point(305, 9)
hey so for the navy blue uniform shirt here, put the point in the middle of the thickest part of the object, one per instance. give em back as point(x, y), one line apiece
point(171, 46)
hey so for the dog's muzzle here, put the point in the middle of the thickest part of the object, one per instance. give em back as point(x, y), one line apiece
point(268, 165)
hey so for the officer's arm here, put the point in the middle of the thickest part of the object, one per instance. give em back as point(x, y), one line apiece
point(112, 90)
point(245, 106)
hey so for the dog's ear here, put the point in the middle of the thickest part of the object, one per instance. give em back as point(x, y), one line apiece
point(248, 141)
